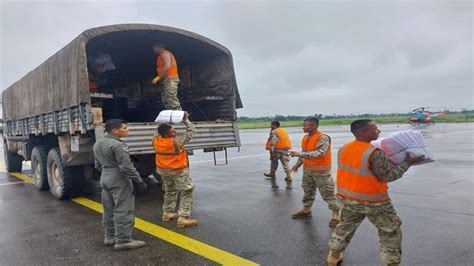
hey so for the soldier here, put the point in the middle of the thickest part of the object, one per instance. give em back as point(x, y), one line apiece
point(167, 74)
point(173, 166)
point(278, 144)
point(316, 160)
point(117, 174)
point(362, 176)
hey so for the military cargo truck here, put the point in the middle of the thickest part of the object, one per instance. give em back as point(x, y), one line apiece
point(52, 116)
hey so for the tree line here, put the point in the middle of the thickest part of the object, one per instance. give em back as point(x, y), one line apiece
point(246, 119)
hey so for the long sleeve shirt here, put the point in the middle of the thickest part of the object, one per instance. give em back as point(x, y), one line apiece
point(322, 147)
point(385, 170)
point(273, 140)
point(185, 137)
point(182, 139)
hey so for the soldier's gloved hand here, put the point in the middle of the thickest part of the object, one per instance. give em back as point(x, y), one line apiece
point(155, 80)
point(141, 187)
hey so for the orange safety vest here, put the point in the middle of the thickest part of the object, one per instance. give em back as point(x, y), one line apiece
point(169, 156)
point(355, 179)
point(320, 164)
point(172, 73)
point(283, 142)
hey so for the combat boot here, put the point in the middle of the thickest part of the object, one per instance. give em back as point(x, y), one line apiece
point(336, 218)
point(186, 222)
point(270, 175)
point(169, 216)
point(109, 240)
point(131, 244)
point(288, 177)
point(334, 257)
point(302, 214)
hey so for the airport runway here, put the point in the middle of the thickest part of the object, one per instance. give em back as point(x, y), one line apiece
point(246, 218)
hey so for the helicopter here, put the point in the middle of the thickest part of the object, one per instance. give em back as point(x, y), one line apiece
point(424, 115)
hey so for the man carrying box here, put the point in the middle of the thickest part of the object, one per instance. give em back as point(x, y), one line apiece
point(362, 176)
point(173, 166)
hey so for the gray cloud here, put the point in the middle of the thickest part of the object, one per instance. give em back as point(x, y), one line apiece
point(290, 57)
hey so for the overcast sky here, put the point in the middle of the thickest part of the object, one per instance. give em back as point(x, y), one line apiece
point(290, 57)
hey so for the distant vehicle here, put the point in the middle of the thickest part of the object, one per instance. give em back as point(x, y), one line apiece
point(53, 117)
point(424, 115)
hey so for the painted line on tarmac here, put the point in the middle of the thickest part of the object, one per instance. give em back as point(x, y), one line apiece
point(197, 247)
point(202, 249)
point(23, 177)
point(231, 158)
point(12, 183)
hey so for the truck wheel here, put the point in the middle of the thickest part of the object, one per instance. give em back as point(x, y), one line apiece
point(65, 182)
point(13, 161)
point(39, 157)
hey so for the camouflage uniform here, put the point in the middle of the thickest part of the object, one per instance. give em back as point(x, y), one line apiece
point(169, 94)
point(317, 180)
point(278, 155)
point(117, 173)
point(175, 182)
point(381, 214)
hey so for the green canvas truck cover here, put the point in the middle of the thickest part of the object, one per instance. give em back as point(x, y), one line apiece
point(61, 81)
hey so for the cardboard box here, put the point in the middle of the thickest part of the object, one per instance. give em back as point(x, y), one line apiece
point(97, 115)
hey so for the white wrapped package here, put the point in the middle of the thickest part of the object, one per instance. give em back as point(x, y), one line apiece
point(170, 117)
point(397, 144)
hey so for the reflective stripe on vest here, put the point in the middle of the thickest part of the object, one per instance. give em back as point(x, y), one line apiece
point(321, 164)
point(168, 154)
point(355, 180)
point(344, 192)
point(365, 171)
point(172, 73)
point(317, 168)
point(283, 142)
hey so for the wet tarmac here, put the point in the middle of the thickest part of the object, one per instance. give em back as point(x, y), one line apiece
point(247, 215)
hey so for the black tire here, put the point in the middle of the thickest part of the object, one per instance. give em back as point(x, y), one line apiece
point(39, 157)
point(65, 182)
point(13, 161)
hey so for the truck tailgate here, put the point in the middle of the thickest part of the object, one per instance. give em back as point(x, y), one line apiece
point(209, 135)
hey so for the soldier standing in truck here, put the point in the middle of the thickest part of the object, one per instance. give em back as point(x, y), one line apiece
point(167, 75)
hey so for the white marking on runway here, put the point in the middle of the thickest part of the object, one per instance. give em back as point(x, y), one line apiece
point(231, 158)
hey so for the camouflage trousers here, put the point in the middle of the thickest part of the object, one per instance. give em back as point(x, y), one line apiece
point(283, 157)
point(380, 214)
point(174, 183)
point(169, 94)
point(324, 183)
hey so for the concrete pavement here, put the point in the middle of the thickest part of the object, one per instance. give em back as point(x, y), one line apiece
point(249, 216)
